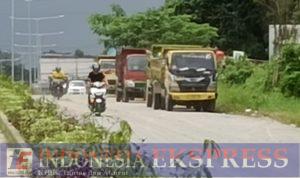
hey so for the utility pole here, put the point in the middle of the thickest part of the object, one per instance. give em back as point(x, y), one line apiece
point(38, 49)
point(0, 67)
point(12, 40)
point(34, 61)
point(77, 68)
point(22, 71)
point(29, 40)
point(38, 38)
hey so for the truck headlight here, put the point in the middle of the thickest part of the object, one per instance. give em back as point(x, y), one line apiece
point(174, 87)
point(129, 83)
point(212, 87)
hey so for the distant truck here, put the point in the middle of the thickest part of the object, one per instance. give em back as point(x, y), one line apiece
point(182, 75)
point(130, 70)
point(108, 67)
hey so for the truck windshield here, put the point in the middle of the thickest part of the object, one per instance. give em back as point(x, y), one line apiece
point(108, 65)
point(137, 63)
point(192, 61)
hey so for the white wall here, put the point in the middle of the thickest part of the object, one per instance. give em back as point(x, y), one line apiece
point(68, 65)
point(272, 37)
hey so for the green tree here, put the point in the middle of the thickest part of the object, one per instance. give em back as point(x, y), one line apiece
point(152, 26)
point(78, 53)
point(282, 13)
point(118, 10)
point(241, 23)
point(5, 55)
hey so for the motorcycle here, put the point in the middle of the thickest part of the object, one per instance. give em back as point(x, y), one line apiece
point(97, 98)
point(57, 88)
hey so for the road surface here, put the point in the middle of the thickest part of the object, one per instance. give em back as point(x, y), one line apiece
point(182, 126)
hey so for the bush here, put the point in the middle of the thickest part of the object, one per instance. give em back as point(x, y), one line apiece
point(236, 71)
point(267, 88)
point(41, 121)
point(290, 70)
point(290, 84)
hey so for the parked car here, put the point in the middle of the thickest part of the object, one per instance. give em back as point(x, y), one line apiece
point(77, 87)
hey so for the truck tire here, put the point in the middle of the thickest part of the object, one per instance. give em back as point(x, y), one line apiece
point(198, 108)
point(118, 96)
point(149, 100)
point(125, 96)
point(156, 101)
point(209, 106)
point(188, 107)
point(169, 103)
point(162, 103)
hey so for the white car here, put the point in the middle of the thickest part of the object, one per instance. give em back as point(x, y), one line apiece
point(77, 87)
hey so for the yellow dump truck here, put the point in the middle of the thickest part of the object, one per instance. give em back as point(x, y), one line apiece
point(108, 67)
point(182, 75)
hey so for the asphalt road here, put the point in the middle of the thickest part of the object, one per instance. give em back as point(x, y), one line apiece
point(186, 126)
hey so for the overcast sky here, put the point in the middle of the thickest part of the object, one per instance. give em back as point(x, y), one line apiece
point(74, 24)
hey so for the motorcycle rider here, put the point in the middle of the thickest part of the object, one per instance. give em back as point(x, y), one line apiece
point(96, 76)
point(57, 76)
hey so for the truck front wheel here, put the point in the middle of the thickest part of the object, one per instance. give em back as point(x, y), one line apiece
point(149, 100)
point(169, 103)
point(162, 102)
point(156, 101)
point(118, 96)
point(125, 96)
point(209, 106)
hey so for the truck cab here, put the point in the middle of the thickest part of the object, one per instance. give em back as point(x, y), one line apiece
point(131, 66)
point(108, 67)
point(182, 75)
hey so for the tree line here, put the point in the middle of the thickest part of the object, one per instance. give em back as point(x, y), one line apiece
point(226, 24)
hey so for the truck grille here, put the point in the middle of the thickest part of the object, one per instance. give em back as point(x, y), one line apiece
point(112, 82)
point(140, 85)
point(186, 86)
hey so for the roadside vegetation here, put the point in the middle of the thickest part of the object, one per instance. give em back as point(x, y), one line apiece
point(271, 89)
point(42, 122)
point(229, 25)
point(153, 26)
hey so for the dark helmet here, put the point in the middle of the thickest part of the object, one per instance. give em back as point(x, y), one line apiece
point(96, 67)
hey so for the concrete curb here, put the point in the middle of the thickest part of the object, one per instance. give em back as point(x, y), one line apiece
point(10, 131)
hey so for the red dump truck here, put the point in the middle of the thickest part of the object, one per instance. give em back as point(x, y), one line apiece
point(130, 69)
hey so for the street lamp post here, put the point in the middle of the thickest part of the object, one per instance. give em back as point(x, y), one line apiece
point(38, 36)
point(30, 53)
point(29, 40)
point(38, 42)
point(12, 40)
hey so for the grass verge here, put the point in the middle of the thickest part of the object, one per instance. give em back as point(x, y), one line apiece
point(238, 98)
